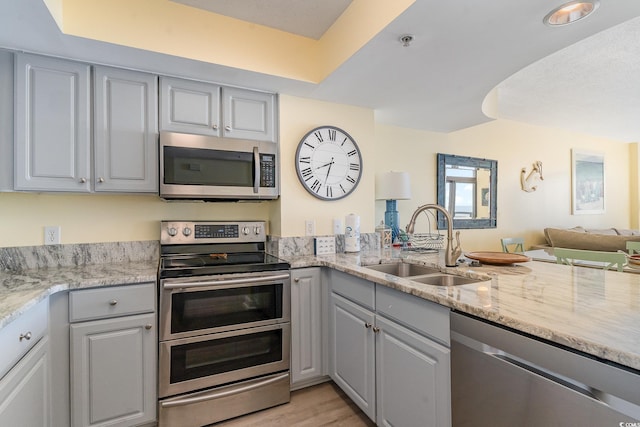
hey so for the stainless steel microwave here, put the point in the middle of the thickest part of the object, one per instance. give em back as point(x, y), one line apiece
point(210, 168)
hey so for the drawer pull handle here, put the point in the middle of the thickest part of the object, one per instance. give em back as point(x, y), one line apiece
point(367, 325)
point(113, 302)
point(148, 326)
point(26, 336)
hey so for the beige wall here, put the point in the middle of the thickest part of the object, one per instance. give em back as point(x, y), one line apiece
point(107, 218)
point(514, 145)
point(297, 117)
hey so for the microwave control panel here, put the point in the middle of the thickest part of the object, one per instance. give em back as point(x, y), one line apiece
point(267, 170)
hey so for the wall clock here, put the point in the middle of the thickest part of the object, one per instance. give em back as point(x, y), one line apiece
point(328, 163)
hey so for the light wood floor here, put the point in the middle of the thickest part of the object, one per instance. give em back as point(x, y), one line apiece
point(321, 405)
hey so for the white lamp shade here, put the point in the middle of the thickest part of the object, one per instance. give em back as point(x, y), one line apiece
point(393, 186)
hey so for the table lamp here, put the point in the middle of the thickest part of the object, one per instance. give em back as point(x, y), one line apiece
point(393, 186)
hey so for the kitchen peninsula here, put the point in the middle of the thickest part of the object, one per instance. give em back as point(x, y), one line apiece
point(590, 310)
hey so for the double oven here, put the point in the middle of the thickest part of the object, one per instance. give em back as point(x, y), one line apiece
point(224, 323)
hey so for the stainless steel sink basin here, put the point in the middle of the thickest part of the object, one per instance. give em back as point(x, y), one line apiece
point(403, 269)
point(444, 280)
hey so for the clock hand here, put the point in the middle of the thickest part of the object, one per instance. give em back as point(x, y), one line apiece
point(328, 170)
point(326, 164)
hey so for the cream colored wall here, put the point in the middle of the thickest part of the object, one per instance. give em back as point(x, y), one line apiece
point(514, 145)
point(105, 218)
point(299, 116)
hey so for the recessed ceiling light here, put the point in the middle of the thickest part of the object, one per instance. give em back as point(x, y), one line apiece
point(571, 12)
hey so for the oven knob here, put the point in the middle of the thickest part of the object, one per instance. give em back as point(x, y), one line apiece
point(186, 231)
point(257, 231)
point(172, 231)
point(245, 230)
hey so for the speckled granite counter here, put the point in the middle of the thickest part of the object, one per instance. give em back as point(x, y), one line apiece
point(587, 309)
point(30, 274)
point(594, 311)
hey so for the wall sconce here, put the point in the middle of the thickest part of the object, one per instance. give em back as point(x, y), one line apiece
point(531, 181)
point(393, 186)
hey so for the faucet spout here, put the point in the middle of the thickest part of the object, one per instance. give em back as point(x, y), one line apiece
point(452, 253)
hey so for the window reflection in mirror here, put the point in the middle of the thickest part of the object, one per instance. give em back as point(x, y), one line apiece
point(467, 188)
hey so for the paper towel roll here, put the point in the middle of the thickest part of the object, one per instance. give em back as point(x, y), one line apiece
point(352, 233)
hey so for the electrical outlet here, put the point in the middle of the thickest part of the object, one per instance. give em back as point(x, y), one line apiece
point(52, 235)
point(337, 226)
point(309, 227)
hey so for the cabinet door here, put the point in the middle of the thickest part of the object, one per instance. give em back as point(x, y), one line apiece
point(248, 114)
point(24, 390)
point(412, 378)
point(126, 131)
point(306, 325)
point(351, 352)
point(52, 122)
point(113, 371)
point(189, 106)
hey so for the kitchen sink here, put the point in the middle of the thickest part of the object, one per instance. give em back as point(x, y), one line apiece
point(403, 269)
point(444, 280)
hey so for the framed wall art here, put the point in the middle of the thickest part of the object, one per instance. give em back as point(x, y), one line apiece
point(587, 182)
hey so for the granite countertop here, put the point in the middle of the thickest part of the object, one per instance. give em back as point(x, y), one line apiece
point(20, 290)
point(587, 309)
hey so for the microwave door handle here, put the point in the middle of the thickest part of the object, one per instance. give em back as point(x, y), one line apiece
point(256, 170)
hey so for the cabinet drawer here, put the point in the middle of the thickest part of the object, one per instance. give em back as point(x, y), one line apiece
point(354, 288)
point(19, 336)
point(423, 316)
point(100, 303)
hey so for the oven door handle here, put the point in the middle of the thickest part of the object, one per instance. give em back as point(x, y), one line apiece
point(243, 280)
point(214, 395)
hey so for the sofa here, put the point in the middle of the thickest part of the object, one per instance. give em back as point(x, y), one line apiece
point(607, 239)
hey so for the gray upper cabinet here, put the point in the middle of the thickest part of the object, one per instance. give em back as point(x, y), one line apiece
point(52, 139)
point(248, 114)
point(189, 106)
point(125, 130)
point(52, 124)
point(204, 108)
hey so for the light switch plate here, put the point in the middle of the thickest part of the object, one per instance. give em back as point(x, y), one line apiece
point(324, 245)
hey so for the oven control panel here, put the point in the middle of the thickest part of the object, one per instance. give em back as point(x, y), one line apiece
point(194, 232)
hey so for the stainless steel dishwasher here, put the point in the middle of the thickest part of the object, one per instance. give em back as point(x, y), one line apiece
point(503, 378)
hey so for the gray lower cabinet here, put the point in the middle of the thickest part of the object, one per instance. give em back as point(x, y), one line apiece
point(352, 352)
point(389, 352)
point(125, 131)
point(25, 392)
point(307, 365)
point(113, 356)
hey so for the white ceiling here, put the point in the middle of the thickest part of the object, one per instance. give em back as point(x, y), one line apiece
point(461, 51)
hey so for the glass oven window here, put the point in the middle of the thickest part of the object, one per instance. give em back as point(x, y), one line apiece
point(217, 356)
point(192, 311)
point(193, 166)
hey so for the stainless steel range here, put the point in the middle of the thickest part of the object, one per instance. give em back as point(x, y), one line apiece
point(224, 322)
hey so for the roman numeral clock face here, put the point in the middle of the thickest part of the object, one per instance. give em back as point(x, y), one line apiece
point(329, 163)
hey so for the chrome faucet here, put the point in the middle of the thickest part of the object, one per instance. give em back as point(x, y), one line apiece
point(451, 255)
